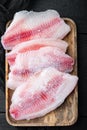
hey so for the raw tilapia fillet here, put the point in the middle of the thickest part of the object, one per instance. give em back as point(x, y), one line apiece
point(30, 62)
point(44, 57)
point(34, 45)
point(32, 25)
point(41, 94)
point(15, 80)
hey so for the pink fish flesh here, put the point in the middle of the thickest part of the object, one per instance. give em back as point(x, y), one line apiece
point(41, 94)
point(32, 25)
point(34, 45)
point(30, 62)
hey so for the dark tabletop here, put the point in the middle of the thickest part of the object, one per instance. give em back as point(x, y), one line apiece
point(74, 9)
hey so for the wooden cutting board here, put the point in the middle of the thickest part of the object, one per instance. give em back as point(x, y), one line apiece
point(67, 113)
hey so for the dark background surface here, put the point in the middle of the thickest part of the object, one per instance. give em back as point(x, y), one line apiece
point(76, 10)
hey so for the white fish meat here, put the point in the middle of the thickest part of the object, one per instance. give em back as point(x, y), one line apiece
point(41, 94)
point(44, 57)
point(34, 45)
point(30, 62)
point(32, 25)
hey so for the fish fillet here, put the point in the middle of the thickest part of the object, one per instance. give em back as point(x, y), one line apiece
point(32, 25)
point(41, 94)
point(30, 62)
point(34, 45)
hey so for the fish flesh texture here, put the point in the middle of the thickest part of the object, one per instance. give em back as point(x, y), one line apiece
point(28, 25)
point(44, 57)
point(41, 94)
point(18, 77)
point(23, 27)
point(13, 82)
point(30, 62)
point(34, 45)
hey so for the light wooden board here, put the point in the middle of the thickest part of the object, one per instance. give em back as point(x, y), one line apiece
point(67, 113)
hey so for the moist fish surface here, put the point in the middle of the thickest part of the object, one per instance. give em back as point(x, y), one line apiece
point(34, 45)
point(41, 94)
point(30, 62)
point(27, 25)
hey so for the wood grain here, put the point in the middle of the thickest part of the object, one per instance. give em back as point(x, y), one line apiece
point(67, 113)
point(5, 126)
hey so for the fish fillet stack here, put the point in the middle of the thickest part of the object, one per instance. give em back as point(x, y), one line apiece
point(39, 65)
